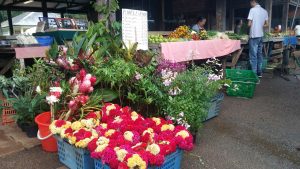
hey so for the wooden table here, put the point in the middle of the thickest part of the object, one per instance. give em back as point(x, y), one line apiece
point(9, 54)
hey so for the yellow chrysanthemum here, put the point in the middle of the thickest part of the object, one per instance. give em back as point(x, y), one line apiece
point(103, 125)
point(149, 130)
point(166, 127)
point(128, 135)
point(109, 108)
point(156, 120)
point(76, 126)
point(153, 149)
point(134, 116)
point(89, 123)
point(102, 143)
point(72, 140)
point(83, 143)
point(184, 134)
point(121, 154)
point(109, 132)
point(136, 162)
point(118, 119)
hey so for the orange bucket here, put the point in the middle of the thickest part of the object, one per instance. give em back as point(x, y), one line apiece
point(48, 141)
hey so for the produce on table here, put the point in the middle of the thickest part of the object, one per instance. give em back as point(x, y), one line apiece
point(160, 39)
point(181, 32)
point(122, 138)
point(203, 35)
point(235, 36)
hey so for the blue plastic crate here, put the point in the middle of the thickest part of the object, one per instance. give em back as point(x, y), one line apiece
point(44, 40)
point(215, 106)
point(72, 157)
point(172, 161)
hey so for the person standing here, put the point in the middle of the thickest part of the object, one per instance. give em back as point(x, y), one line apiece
point(238, 26)
point(201, 21)
point(257, 20)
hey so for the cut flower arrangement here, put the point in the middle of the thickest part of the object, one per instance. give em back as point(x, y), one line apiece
point(122, 138)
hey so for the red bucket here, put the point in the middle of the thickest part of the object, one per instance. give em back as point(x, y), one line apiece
point(48, 141)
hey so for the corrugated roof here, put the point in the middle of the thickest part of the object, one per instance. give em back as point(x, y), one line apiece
point(28, 19)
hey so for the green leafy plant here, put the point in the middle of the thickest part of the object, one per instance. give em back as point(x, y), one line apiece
point(193, 98)
point(28, 106)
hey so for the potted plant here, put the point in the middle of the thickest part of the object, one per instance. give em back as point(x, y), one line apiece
point(27, 107)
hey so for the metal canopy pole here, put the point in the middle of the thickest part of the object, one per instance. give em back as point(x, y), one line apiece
point(10, 24)
point(44, 7)
point(296, 10)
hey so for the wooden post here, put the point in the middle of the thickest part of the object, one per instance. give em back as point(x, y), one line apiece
point(268, 6)
point(285, 15)
point(221, 15)
point(10, 24)
point(231, 16)
point(163, 26)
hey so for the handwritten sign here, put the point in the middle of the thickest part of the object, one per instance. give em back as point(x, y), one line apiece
point(135, 28)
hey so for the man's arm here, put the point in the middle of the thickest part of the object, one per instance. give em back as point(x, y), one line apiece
point(249, 23)
point(250, 18)
point(266, 23)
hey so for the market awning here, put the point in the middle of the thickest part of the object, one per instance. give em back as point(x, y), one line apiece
point(58, 6)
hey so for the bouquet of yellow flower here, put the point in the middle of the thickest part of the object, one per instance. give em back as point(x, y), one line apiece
point(181, 32)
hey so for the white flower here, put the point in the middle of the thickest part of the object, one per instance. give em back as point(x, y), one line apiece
point(181, 114)
point(138, 76)
point(38, 89)
point(213, 77)
point(167, 83)
point(193, 32)
point(56, 89)
point(52, 99)
point(226, 85)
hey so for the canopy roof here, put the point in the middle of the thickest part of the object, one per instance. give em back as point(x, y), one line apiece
point(50, 5)
point(27, 19)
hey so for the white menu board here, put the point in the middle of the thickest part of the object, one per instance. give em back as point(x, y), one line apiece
point(135, 28)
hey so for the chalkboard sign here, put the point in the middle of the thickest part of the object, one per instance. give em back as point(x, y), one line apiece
point(135, 28)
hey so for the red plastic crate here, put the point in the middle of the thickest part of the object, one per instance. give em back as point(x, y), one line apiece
point(7, 113)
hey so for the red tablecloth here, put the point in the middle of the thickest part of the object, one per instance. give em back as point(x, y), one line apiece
point(196, 50)
point(31, 52)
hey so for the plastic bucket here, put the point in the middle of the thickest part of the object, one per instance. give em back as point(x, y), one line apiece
point(48, 141)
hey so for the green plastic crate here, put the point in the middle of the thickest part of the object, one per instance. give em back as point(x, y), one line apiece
point(243, 83)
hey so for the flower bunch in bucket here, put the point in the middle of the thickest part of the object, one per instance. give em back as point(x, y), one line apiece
point(75, 98)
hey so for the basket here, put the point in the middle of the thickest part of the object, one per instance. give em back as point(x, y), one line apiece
point(7, 113)
point(243, 83)
point(172, 161)
point(215, 106)
point(72, 157)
